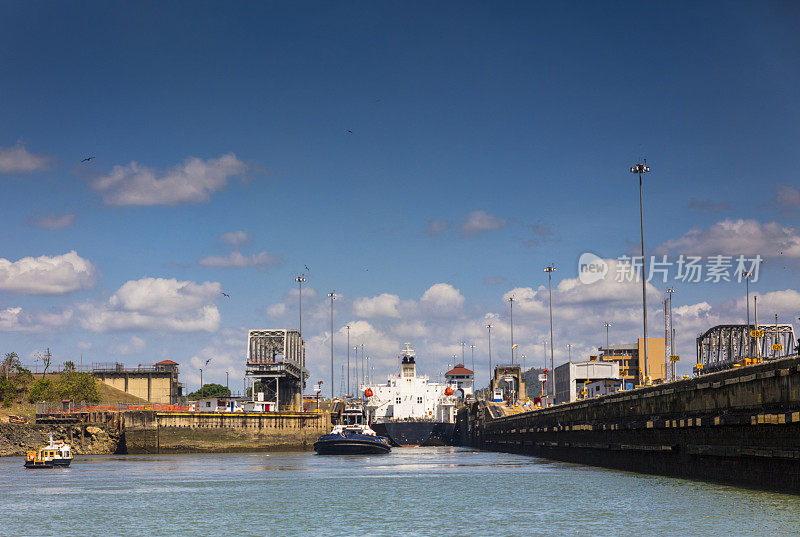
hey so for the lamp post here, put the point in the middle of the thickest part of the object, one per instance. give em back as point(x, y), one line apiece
point(201, 379)
point(300, 279)
point(550, 269)
point(362, 352)
point(355, 349)
point(463, 345)
point(569, 351)
point(607, 325)
point(511, 304)
point(747, 275)
point(332, 296)
point(672, 334)
point(472, 348)
point(348, 359)
point(489, 327)
point(640, 169)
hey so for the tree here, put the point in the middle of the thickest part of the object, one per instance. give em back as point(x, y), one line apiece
point(10, 364)
point(69, 365)
point(42, 390)
point(13, 378)
point(211, 390)
point(258, 388)
point(45, 358)
point(77, 386)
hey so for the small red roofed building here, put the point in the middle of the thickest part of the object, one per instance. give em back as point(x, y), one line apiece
point(462, 380)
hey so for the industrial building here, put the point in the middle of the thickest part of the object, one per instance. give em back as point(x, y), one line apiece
point(572, 377)
point(155, 384)
point(630, 359)
point(276, 358)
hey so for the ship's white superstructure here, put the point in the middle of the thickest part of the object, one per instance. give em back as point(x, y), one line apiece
point(406, 396)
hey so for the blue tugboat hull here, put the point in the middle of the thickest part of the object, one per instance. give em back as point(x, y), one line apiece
point(351, 444)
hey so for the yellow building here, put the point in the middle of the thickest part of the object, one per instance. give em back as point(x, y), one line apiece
point(631, 360)
point(155, 384)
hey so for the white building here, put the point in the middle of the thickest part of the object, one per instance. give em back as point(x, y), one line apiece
point(601, 387)
point(462, 380)
point(571, 377)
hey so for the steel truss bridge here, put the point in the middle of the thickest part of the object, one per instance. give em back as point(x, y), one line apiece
point(277, 358)
point(724, 345)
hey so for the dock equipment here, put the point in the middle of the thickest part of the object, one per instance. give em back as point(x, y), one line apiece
point(277, 358)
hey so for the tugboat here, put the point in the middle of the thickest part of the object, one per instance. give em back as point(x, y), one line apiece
point(352, 436)
point(56, 454)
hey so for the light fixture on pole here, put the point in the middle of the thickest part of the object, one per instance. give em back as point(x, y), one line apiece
point(472, 348)
point(569, 352)
point(300, 279)
point(348, 359)
point(550, 269)
point(489, 327)
point(511, 304)
point(355, 349)
point(463, 345)
point(672, 351)
point(332, 296)
point(640, 169)
point(746, 275)
point(607, 325)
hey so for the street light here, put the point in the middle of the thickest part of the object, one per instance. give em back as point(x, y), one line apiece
point(463, 345)
point(472, 348)
point(355, 348)
point(348, 359)
point(300, 279)
point(489, 327)
point(640, 169)
point(550, 269)
point(607, 325)
point(332, 296)
point(747, 275)
point(672, 334)
point(511, 304)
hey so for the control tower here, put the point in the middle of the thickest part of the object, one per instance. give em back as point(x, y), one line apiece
point(277, 358)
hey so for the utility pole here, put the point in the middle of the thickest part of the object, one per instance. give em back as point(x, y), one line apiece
point(550, 269)
point(332, 296)
point(672, 333)
point(746, 275)
point(640, 169)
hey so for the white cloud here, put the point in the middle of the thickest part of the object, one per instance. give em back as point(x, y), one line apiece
point(17, 159)
point(383, 305)
point(84, 345)
point(191, 182)
point(442, 298)
point(52, 221)
point(15, 319)
point(479, 221)
point(45, 275)
point(156, 304)
point(238, 260)
point(134, 346)
point(737, 237)
point(234, 238)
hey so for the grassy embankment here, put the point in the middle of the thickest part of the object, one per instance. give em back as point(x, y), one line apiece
point(21, 406)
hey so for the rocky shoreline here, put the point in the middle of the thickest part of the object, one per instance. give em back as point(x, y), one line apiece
point(86, 439)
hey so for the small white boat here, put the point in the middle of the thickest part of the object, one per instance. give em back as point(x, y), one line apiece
point(54, 455)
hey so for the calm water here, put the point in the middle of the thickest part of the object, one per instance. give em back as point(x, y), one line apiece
point(412, 491)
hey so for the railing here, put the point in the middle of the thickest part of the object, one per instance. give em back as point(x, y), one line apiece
point(75, 408)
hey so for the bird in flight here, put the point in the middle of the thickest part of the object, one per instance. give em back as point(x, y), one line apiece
point(87, 159)
point(226, 294)
point(308, 269)
point(208, 361)
point(348, 130)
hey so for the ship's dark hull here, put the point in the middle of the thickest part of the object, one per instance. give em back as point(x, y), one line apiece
point(416, 433)
point(351, 444)
point(54, 463)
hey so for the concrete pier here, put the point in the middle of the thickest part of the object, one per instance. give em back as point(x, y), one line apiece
point(738, 426)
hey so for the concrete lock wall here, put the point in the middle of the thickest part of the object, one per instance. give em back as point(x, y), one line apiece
point(191, 432)
point(740, 426)
point(152, 387)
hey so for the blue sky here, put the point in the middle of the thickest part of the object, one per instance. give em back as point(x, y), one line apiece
point(390, 147)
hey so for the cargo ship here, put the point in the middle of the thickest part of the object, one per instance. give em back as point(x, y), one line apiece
point(409, 409)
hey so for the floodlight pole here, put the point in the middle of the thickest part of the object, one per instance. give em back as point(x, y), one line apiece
point(549, 270)
point(640, 169)
point(332, 296)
